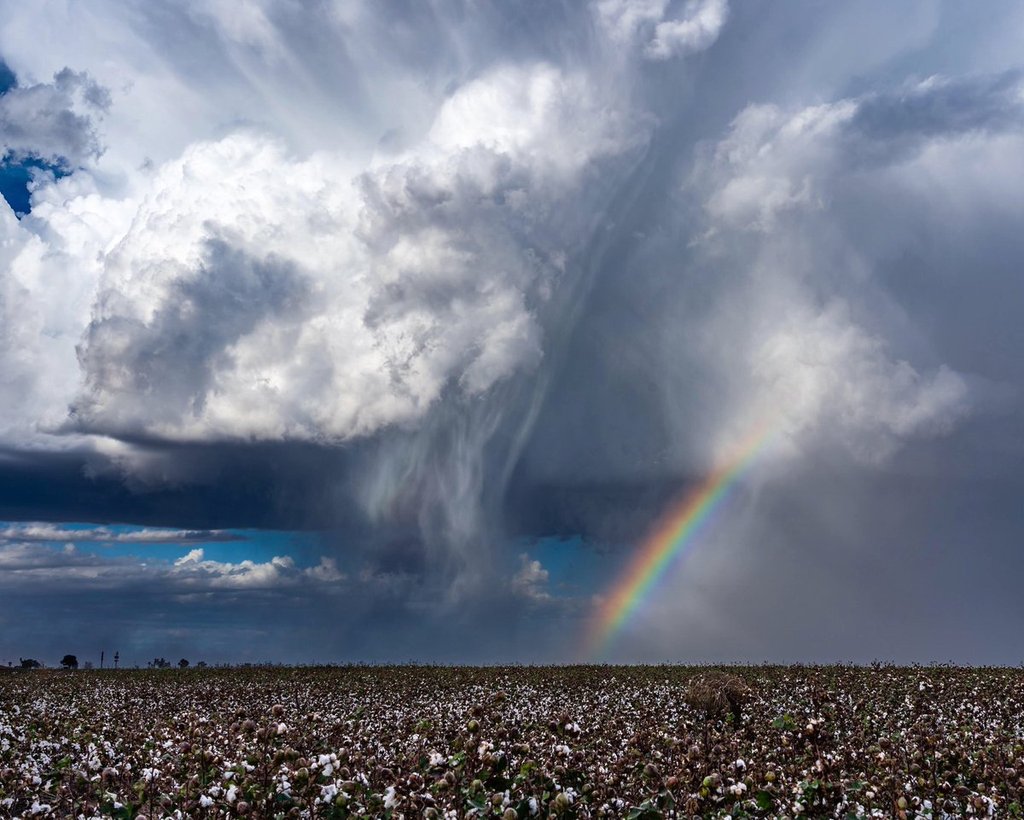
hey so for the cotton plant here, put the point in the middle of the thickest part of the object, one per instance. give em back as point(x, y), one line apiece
point(510, 743)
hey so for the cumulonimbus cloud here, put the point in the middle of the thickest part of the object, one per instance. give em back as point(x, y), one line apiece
point(260, 296)
point(246, 291)
point(445, 257)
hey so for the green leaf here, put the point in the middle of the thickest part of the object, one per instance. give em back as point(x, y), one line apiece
point(764, 800)
point(786, 723)
point(478, 802)
point(645, 811)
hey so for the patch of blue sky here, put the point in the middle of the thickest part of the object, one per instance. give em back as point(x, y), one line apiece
point(574, 566)
point(8, 79)
point(17, 177)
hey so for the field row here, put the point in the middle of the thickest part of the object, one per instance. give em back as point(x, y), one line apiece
point(637, 742)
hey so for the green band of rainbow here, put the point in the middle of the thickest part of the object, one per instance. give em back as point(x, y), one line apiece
point(677, 529)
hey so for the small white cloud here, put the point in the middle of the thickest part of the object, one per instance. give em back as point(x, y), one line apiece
point(696, 30)
point(36, 564)
point(660, 33)
point(191, 557)
point(531, 580)
point(145, 535)
point(326, 571)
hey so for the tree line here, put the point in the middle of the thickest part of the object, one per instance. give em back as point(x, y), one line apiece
point(71, 662)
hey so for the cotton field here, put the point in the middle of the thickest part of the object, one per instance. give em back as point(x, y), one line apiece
point(522, 742)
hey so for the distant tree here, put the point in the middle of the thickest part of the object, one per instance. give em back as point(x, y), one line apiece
point(29, 663)
point(88, 665)
point(201, 665)
point(159, 663)
point(69, 662)
point(183, 664)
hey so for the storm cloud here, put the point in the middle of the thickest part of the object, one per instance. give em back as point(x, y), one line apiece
point(471, 294)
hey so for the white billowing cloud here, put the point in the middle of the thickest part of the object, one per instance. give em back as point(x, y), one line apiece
point(54, 122)
point(225, 248)
point(774, 161)
point(659, 31)
point(696, 30)
point(48, 271)
point(194, 569)
point(820, 372)
point(554, 122)
point(25, 564)
point(259, 295)
point(808, 357)
point(764, 167)
point(21, 256)
point(531, 580)
point(624, 20)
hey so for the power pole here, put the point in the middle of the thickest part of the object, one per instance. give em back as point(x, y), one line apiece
point(101, 659)
point(117, 657)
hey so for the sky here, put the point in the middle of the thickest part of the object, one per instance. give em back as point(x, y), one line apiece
point(389, 331)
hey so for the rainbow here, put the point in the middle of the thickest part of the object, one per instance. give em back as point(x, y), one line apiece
point(675, 531)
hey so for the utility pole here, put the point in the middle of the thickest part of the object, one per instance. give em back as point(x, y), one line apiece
point(117, 657)
point(101, 659)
